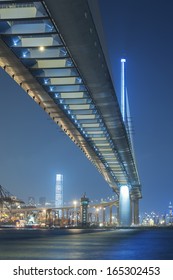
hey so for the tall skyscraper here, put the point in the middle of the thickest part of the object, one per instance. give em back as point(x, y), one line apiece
point(59, 191)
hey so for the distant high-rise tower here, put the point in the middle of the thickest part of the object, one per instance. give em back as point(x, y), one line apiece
point(59, 191)
point(170, 209)
point(170, 214)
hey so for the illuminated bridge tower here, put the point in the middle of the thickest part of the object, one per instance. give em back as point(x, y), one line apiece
point(124, 199)
point(123, 89)
point(128, 207)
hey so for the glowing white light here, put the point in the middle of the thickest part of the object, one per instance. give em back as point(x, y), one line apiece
point(41, 48)
point(56, 95)
point(125, 191)
point(15, 42)
point(59, 177)
point(46, 81)
point(123, 60)
point(75, 203)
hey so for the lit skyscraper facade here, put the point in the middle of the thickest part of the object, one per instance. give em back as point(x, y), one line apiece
point(59, 191)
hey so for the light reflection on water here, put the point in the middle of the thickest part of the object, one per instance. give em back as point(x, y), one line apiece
point(86, 244)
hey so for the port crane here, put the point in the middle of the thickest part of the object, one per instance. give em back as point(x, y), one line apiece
point(7, 199)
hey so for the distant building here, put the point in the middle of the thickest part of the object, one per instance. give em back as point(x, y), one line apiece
point(59, 191)
point(170, 209)
point(170, 214)
point(31, 201)
point(42, 201)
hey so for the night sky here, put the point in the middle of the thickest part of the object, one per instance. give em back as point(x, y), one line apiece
point(33, 149)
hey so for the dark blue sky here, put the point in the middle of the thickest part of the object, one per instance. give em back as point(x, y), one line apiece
point(32, 148)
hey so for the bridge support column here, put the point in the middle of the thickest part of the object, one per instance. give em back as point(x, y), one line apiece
point(97, 215)
point(125, 207)
point(62, 213)
point(132, 210)
point(110, 219)
point(104, 216)
point(136, 211)
point(67, 214)
point(118, 215)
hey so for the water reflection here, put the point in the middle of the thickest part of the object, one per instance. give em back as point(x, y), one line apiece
point(81, 244)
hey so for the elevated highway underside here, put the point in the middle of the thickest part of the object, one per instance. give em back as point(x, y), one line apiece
point(53, 51)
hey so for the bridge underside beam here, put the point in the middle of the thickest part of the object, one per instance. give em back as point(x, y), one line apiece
point(84, 44)
point(56, 57)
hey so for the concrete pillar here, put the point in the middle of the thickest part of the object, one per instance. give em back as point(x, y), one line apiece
point(25, 214)
point(124, 207)
point(132, 210)
point(104, 215)
point(1, 206)
point(110, 215)
point(48, 217)
point(97, 215)
point(67, 214)
point(136, 211)
point(90, 217)
point(118, 216)
point(62, 213)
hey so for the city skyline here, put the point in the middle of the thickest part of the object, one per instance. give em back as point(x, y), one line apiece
point(34, 149)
